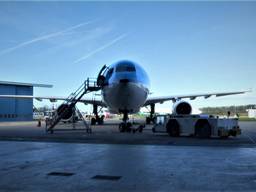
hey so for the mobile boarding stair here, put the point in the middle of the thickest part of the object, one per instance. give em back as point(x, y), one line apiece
point(88, 128)
point(68, 105)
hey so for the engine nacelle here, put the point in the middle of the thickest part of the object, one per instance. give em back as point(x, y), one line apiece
point(63, 107)
point(181, 108)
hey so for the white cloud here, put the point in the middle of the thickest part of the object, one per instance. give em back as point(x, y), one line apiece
point(44, 37)
point(100, 48)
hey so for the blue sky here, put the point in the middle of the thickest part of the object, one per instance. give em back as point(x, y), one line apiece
point(186, 47)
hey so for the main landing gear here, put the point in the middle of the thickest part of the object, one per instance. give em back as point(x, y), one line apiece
point(97, 119)
point(151, 117)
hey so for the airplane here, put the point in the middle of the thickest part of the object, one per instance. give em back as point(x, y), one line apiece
point(125, 89)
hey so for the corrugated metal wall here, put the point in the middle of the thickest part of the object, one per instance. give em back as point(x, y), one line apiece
point(16, 109)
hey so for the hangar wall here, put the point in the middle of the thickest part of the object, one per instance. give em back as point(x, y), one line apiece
point(12, 109)
point(16, 109)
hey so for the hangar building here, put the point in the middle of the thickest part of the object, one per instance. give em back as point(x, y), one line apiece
point(17, 109)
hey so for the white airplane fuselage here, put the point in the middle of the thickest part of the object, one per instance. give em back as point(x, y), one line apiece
point(126, 87)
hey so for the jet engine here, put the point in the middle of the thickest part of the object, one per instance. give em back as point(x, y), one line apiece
point(69, 113)
point(181, 108)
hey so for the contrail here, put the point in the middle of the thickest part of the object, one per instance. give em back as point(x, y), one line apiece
point(101, 48)
point(45, 37)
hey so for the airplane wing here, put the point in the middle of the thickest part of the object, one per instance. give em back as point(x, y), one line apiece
point(94, 101)
point(174, 98)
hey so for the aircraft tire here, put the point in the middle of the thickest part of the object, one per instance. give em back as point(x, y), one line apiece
point(93, 121)
point(148, 120)
point(128, 127)
point(173, 128)
point(101, 120)
point(202, 129)
point(121, 127)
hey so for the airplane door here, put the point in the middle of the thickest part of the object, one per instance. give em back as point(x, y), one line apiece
point(101, 77)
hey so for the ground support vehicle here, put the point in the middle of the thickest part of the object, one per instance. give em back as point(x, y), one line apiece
point(203, 126)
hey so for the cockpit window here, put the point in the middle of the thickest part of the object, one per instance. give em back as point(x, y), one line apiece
point(125, 67)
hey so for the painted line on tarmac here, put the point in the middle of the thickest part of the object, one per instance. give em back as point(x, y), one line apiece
point(251, 139)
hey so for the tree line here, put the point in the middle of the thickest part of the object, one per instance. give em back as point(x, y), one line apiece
point(42, 109)
point(241, 109)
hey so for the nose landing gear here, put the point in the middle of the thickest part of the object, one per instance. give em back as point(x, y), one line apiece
point(127, 126)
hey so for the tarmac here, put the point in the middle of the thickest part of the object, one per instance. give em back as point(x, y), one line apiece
point(109, 134)
point(107, 160)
